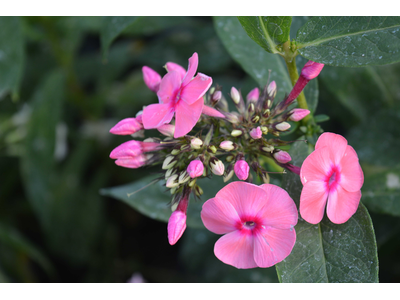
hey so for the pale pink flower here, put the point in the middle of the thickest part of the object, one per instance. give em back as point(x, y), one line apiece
point(127, 126)
point(298, 114)
point(195, 168)
point(253, 95)
point(227, 145)
point(177, 221)
point(180, 95)
point(241, 169)
point(151, 78)
point(256, 133)
point(257, 223)
point(330, 175)
point(282, 156)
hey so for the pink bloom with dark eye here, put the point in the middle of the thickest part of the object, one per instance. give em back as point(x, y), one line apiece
point(180, 95)
point(332, 177)
point(241, 169)
point(127, 126)
point(257, 223)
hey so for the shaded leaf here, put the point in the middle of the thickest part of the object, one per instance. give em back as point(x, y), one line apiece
point(350, 41)
point(268, 32)
point(11, 54)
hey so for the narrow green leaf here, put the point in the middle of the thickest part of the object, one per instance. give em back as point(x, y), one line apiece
point(111, 28)
point(253, 59)
point(328, 252)
point(11, 54)
point(350, 41)
point(321, 118)
point(268, 32)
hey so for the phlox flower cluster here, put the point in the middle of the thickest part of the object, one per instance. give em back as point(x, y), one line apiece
point(198, 136)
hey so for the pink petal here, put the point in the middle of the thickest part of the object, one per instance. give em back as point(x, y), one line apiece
point(126, 126)
point(196, 88)
point(272, 245)
point(212, 112)
point(151, 78)
point(236, 249)
point(132, 162)
point(335, 143)
point(176, 226)
point(169, 87)
point(177, 68)
point(127, 149)
point(247, 199)
point(351, 175)
point(316, 166)
point(156, 115)
point(219, 216)
point(280, 211)
point(312, 201)
point(192, 68)
point(187, 116)
point(342, 205)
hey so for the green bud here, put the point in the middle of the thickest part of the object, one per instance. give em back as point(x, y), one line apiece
point(229, 158)
point(268, 148)
point(213, 149)
point(175, 151)
point(192, 183)
point(264, 129)
point(228, 176)
point(168, 162)
point(236, 133)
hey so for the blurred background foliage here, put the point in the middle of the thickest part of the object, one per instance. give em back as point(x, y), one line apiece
point(65, 81)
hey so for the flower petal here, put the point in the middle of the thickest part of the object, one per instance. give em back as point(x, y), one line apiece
point(169, 87)
point(177, 68)
point(312, 201)
point(247, 199)
point(151, 78)
point(187, 116)
point(127, 126)
point(342, 205)
point(212, 112)
point(236, 249)
point(219, 216)
point(192, 68)
point(196, 88)
point(351, 174)
point(335, 143)
point(273, 245)
point(316, 166)
point(132, 162)
point(280, 211)
point(156, 115)
point(127, 149)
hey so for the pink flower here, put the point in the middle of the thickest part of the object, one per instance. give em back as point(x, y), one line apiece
point(195, 168)
point(282, 156)
point(257, 223)
point(127, 126)
point(180, 95)
point(241, 169)
point(330, 174)
point(256, 133)
point(177, 221)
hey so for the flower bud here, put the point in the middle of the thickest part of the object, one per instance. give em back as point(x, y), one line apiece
point(268, 148)
point(217, 167)
point(242, 169)
point(228, 175)
point(175, 151)
point(212, 112)
point(253, 95)
point(167, 129)
point(297, 114)
point(169, 173)
point(256, 133)
point(271, 90)
point(216, 96)
point(229, 158)
point(255, 119)
point(198, 190)
point(195, 168)
point(151, 78)
point(227, 145)
point(183, 177)
point(282, 156)
point(177, 222)
point(283, 126)
point(266, 113)
point(196, 143)
point(172, 182)
point(235, 95)
point(127, 126)
point(264, 129)
point(133, 162)
point(169, 162)
point(311, 70)
point(213, 149)
point(236, 133)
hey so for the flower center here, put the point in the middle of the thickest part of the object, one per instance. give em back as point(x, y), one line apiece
point(333, 178)
point(249, 224)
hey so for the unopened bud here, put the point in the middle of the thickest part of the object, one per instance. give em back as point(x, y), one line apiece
point(171, 182)
point(255, 119)
point(211, 91)
point(186, 147)
point(169, 173)
point(251, 108)
point(228, 176)
point(229, 158)
point(282, 156)
point(192, 183)
point(265, 178)
point(297, 114)
point(175, 152)
point(217, 167)
point(195, 168)
point(266, 113)
point(213, 149)
point(242, 169)
point(231, 117)
point(282, 126)
point(311, 70)
point(253, 95)
point(168, 162)
point(236, 133)
point(216, 96)
point(196, 143)
point(235, 95)
point(268, 148)
point(227, 145)
point(271, 90)
point(256, 133)
point(198, 190)
point(183, 177)
point(167, 129)
point(174, 206)
point(264, 129)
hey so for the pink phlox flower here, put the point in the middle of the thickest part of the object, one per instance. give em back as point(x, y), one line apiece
point(177, 221)
point(241, 169)
point(331, 176)
point(195, 168)
point(257, 223)
point(127, 126)
point(180, 95)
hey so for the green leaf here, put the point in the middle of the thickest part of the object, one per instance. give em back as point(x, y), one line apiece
point(381, 192)
point(111, 28)
point(321, 118)
point(11, 54)
point(328, 252)
point(253, 59)
point(350, 41)
point(268, 32)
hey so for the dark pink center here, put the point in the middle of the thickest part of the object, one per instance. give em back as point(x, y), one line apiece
point(249, 224)
point(333, 178)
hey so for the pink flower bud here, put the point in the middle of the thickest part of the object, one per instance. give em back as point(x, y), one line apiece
point(298, 113)
point(217, 96)
point(227, 145)
point(177, 222)
point(167, 129)
point(242, 169)
point(217, 167)
point(212, 112)
point(195, 168)
point(235, 95)
point(311, 70)
point(253, 95)
point(151, 78)
point(127, 126)
point(256, 133)
point(132, 162)
point(271, 90)
point(133, 148)
point(282, 156)
point(283, 126)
